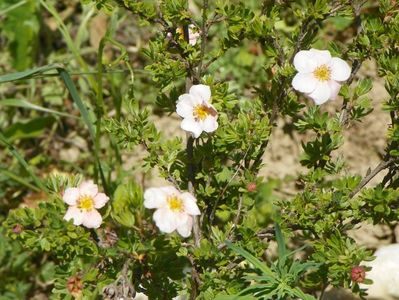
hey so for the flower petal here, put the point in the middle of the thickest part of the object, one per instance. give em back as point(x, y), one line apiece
point(185, 229)
point(88, 188)
point(190, 204)
point(169, 190)
point(210, 124)
point(321, 57)
point(154, 198)
point(71, 195)
point(303, 62)
point(92, 219)
point(100, 199)
point(321, 94)
point(201, 91)
point(340, 69)
point(193, 34)
point(74, 213)
point(165, 220)
point(304, 82)
point(335, 87)
point(190, 125)
point(185, 105)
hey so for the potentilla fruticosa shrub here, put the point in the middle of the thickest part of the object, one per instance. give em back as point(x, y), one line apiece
point(228, 71)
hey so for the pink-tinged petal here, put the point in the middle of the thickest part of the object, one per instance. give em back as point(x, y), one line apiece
point(155, 198)
point(190, 204)
point(340, 70)
point(74, 213)
point(334, 87)
point(100, 199)
point(193, 34)
point(71, 195)
point(88, 188)
point(321, 57)
point(185, 229)
point(304, 82)
point(201, 91)
point(185, 105)
point(190, 125)
point(321, 94)
point(170, 190)
point(92, 219)
point(210, 124)
point(303, 62)
point(165, 220)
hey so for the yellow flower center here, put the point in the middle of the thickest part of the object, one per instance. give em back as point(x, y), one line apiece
point(175, 203)
point(322, 73)
point(86, 203)
point(180, 33)
point(201, 111)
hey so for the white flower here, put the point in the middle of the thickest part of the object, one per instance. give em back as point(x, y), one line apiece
point(319, 75)
point(197, 113)
point(174, 210)
point(83, 202)
point(384, 273)
point(193, 34)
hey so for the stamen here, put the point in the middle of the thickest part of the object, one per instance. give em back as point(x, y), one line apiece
point(322, 73)
point(86, 203)
point(201, 111)
point(175, 203)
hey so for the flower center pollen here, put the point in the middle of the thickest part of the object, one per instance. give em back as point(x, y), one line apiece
point(322, 73)
point(175, 203)
point(86, 203)
point(201, 112)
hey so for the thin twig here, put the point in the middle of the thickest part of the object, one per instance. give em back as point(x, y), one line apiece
point(381, 166)
point(191, 179)
point(204, 35)
point(240, 165)
point(237, 218)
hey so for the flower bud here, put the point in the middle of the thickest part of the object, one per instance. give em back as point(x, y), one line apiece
point(75, 286)
point(251, 187)
point(17, 229)
point(358, 274)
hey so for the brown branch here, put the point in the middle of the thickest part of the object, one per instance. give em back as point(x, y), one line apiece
point(240, 165)
point(191, 179)
point(204, 35)
point(381, 166)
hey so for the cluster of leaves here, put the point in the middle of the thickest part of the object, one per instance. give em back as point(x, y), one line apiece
point(245, 54)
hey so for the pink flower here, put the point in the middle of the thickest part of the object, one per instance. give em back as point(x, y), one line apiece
point(83, 202)
point(174, 210)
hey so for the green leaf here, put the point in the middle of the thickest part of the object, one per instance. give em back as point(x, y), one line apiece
point(87, 118)
point(234, 297)
point(28, 73)
point(282, 250)
point(22, 162)
point(127, 199)
point(31, 129)
point(363, 86)
point(28, 105)
point(251, 259)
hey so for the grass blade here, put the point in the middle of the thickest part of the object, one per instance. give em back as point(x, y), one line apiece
point(282, 250)
point(18, 179)
point(250, 258)
point(28, 73)
point(22, 162)
point(87, 118)
point(28, 105)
